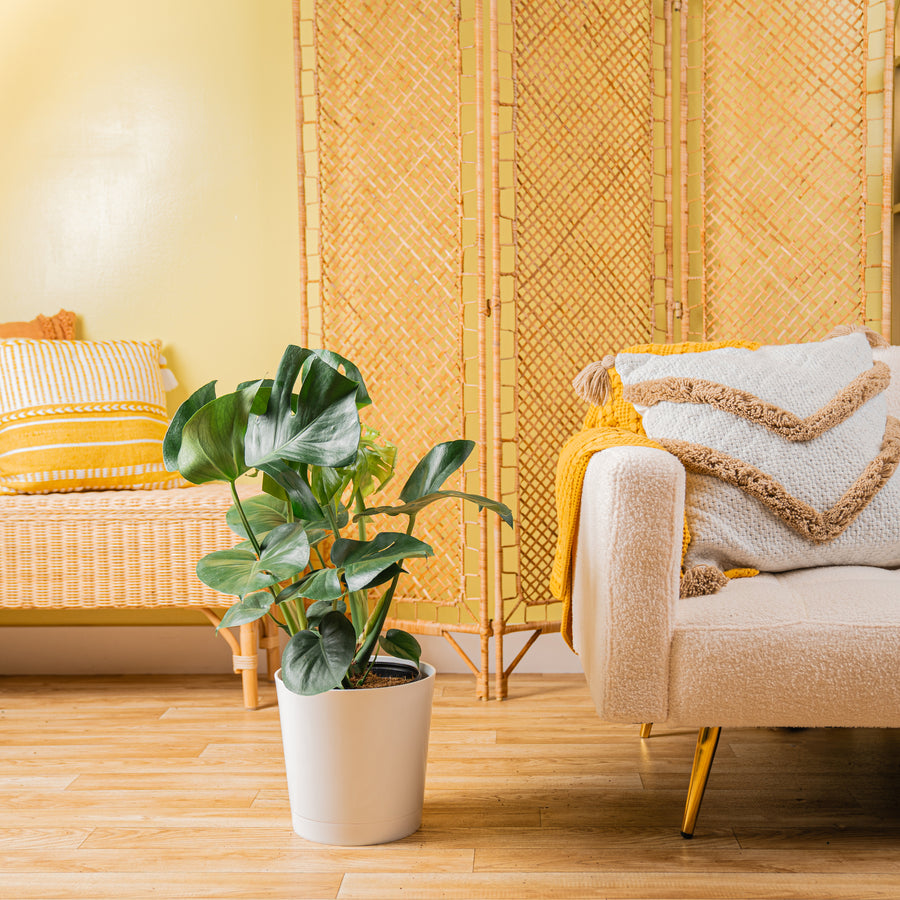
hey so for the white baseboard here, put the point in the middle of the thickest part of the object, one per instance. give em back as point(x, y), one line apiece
point(154, 649)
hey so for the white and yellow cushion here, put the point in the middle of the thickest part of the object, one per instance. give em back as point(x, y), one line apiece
point(81, 415)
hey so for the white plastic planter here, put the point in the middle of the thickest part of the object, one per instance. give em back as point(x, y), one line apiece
point(355, 760)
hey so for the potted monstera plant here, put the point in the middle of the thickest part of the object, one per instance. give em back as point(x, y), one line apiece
point(354, 722)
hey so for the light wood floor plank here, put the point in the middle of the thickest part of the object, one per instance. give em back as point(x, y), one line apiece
point(165, 786)
point(649, 886)
point(244, 860)
point(183, 885)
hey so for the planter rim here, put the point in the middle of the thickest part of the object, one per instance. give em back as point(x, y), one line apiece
point(426, 672)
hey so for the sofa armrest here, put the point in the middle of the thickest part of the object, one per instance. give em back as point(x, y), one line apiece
point(626, 579)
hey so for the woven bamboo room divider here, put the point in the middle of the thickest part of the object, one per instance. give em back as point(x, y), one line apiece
point(493, 195)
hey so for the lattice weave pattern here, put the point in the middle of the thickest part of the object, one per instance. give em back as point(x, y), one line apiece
point(784, 167)
point(389, 183)
point(584, 220)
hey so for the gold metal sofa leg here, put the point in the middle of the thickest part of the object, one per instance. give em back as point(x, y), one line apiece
point(646, 729)
point(707, 741)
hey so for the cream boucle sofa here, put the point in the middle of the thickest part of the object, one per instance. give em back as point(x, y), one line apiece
point(814, 647)
point(124, 549)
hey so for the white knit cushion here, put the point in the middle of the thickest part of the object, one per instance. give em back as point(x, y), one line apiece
point(731, 529)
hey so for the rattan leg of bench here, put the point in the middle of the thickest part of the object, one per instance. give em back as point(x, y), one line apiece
point(243, 656)
point(246, 664)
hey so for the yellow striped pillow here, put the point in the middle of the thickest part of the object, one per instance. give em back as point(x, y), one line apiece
point(81, 416)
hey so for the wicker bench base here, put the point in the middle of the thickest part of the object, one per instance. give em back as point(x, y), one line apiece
point(124, 550)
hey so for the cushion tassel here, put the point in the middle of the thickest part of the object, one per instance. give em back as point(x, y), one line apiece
point(592, 382)
point(701, 581)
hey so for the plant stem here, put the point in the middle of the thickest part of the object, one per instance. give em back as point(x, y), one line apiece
point(359, 609)
point(379, 614)
point(374, 624)
point(358, 506)
point(293, 625)
point(237, 502)
point(332, 520)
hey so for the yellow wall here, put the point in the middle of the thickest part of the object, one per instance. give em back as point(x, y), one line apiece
point(148, 177)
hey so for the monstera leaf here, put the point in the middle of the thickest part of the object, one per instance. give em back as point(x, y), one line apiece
point(249, 609)
point(211, 442)
point(358, 565)
point(283, 554)
point(336, 361)
point(438, 464)
point(421, 488)
point(322, 428)
point(265, 512)
point(316, 660)
point(172, 440)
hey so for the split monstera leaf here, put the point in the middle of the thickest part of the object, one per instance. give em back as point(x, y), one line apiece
point(319, 464)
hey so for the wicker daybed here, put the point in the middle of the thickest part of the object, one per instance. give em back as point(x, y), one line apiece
point(124, 549)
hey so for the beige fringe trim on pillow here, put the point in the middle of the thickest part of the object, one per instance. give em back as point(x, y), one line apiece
point(750, 407)
point(806, 521)
point(873, 337)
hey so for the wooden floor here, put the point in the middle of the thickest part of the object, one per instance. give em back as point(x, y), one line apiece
point(165, 787)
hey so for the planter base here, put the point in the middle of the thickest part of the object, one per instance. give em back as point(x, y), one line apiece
point(380, 832)
point(355, 760)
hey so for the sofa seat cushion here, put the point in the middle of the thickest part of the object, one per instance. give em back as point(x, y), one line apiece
point(811, 647)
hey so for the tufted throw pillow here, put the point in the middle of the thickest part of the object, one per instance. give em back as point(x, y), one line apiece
point(788, 449)
point(81, 415)
point(60, 327)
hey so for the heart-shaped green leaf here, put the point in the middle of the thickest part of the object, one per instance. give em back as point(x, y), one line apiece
point(252, 607)
point(360, 562)
point(435, 468)
point(295, 488)
point(399, 643)
point(318, 610)
point(320, 584)
point(263, 513)
point(317, 661)
point(284, 548)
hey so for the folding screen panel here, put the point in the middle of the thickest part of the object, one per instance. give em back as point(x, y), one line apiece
point(582, 122)
point(391, 243)
point(788, 142)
